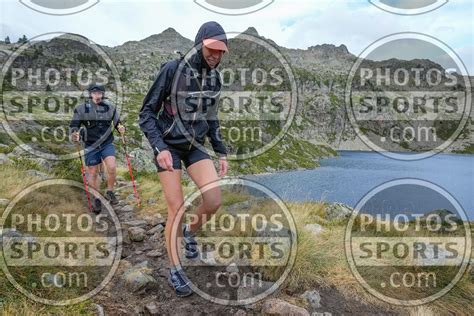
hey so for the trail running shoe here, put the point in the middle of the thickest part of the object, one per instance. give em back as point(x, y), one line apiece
point(191, 250)
point(180, 283)
point(110, 195)
point(97, 206)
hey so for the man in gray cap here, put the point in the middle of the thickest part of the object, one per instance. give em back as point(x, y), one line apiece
point(92, 122)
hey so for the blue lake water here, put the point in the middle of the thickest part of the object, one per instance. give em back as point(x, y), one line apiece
point(350, 176)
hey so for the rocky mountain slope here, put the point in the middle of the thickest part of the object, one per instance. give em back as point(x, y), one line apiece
point(320, 124)
point(321, 73)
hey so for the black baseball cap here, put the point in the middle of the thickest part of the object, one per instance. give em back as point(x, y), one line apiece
point(96, 87)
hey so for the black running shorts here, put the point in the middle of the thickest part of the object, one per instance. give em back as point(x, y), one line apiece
point(183, 153)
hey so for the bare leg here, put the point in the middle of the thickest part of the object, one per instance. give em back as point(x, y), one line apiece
point(93, 176)
point(202, 173)
point(173, 192)
point(111, 172)
point(101, 171)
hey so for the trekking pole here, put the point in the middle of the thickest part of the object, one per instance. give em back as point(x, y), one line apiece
point(130, 170)
point(84, 178)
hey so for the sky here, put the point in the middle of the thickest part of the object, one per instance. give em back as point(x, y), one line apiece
point(290, 23)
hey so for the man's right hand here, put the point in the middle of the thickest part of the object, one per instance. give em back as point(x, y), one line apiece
point(75, 137)
point(165, 160)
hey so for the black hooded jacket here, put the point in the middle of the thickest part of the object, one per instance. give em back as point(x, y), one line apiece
point(181, 106)
point(95, 123)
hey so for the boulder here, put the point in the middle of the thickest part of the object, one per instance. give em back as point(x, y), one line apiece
point(154, 253)
point(152, 309)
point(125, 236)
point(155, 219)
point(99, 309)
point(126, 217)
point(4, 160)
point(17, 152)
point(127, 208)
point(135, 223)
point(313, 298)
point(136, 234)
point(156, 237)
point(10, 233)
point(232, 268)
point(338, 212)
point(139, 277)
point(279, 307)
point(315, 229)
point(158, 229)
point(126, 252)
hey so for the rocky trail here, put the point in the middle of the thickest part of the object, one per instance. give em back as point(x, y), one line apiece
point(140, 286)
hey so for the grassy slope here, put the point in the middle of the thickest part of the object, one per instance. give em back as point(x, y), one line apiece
point(321, 259)
point(12, 302)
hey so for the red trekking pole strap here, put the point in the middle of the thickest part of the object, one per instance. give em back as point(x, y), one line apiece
point(135, 191)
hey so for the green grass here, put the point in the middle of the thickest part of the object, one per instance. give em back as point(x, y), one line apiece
point(321, 262)
point(467, 150)
point(23, 164)
point(298, 154)
point(12, 302)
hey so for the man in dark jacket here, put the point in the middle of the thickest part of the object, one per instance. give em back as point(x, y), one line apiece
point(97, 118)
point(179, 113)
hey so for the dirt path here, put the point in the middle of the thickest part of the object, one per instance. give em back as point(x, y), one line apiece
point(142, 259)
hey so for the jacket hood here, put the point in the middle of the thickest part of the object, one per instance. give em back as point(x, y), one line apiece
point(207, 30)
